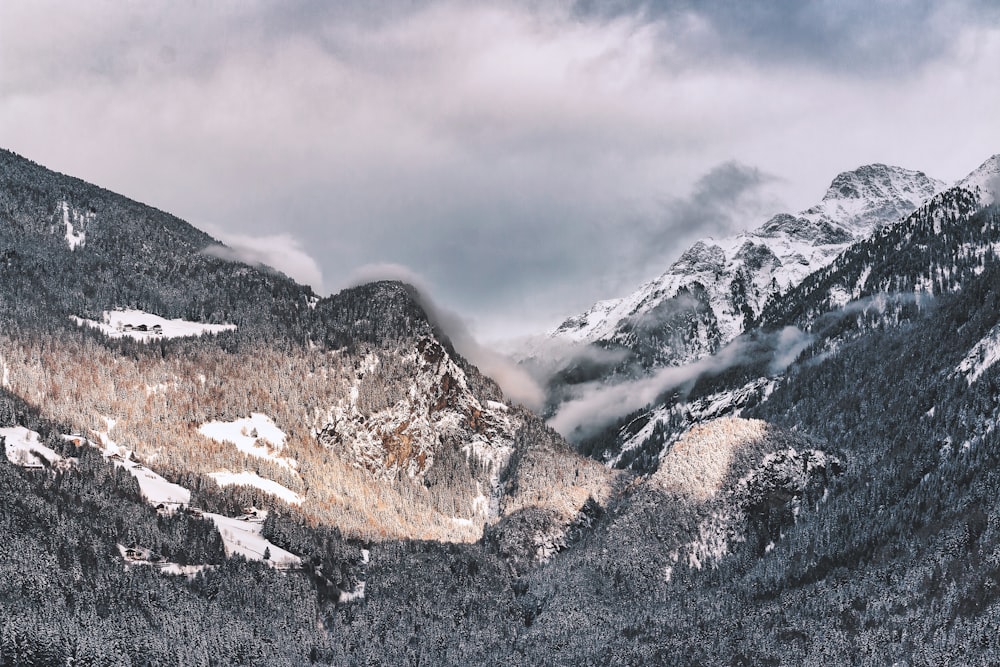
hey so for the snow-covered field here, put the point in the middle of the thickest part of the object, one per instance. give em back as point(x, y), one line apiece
point(244, 538)
point(256, 481)
point(144, 326)
point(239, 536)
point(154, 488)
point(257, 435)
point(24, 448)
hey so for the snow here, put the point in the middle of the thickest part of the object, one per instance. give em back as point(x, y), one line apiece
point(856, 204)
point(256, 481)
point(244, 538)
point(73, 237)
point(984, 181)
point(126, 324)
point(981, 357)
point(358, 593)
point(256, 435)
point(154, 488)
point(24, 448)
point(5, 383)
point(239, 535)
point(145, 557)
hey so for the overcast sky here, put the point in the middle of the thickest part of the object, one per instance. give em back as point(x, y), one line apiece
point(523, 159)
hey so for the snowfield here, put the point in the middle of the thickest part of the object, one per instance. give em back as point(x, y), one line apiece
point(154, 488)
point(244, 538)
point(144, 326)
point(256, 435)
point(24, 448)
point(253, 479)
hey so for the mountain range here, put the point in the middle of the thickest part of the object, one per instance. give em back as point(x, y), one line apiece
point(207, 463)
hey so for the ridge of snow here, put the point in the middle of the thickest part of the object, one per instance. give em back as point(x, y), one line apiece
point(125, 323)
point(245, 478)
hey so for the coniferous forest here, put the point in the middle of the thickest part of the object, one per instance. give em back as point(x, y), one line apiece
point(842, 508)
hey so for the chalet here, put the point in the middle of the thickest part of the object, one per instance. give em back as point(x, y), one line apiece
point(157, 329)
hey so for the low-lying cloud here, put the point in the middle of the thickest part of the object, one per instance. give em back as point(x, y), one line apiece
point(600, 404)
point(281, 252)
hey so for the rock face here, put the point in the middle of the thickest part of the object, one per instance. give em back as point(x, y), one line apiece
point(717, 287)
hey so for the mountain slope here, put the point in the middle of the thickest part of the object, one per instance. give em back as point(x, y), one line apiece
point(383, 429)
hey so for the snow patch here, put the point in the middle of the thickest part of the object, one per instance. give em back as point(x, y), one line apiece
point(357, 593)
point(245, 538)
point(981, 357)
point(74, 237)
point(24, 448)
point(145, 327)
point(253, 479)
point(256, 435)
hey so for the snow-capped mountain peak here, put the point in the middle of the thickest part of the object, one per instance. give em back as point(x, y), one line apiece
point(873, 195)
point(984, 181)
point(718, 286)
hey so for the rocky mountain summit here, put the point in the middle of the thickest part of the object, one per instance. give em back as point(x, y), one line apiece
point(719, 286)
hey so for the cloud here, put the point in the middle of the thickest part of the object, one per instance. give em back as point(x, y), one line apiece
point(281, 252)
point(526, 158)
point(516, 382)
point(723, 200)
point(850, 37)
point(598, 404)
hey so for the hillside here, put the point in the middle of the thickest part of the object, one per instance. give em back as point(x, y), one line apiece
point(255, 475)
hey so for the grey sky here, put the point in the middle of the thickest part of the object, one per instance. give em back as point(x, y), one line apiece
point(523, 158)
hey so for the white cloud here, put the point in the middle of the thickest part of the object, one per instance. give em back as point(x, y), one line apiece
point(280, 251)
point(510, 153)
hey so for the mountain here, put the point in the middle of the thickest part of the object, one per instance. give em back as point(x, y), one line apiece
point(718, 287)
point(878, 281)
point(205, 463)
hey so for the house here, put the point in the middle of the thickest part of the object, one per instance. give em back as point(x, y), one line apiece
point(157, 329)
